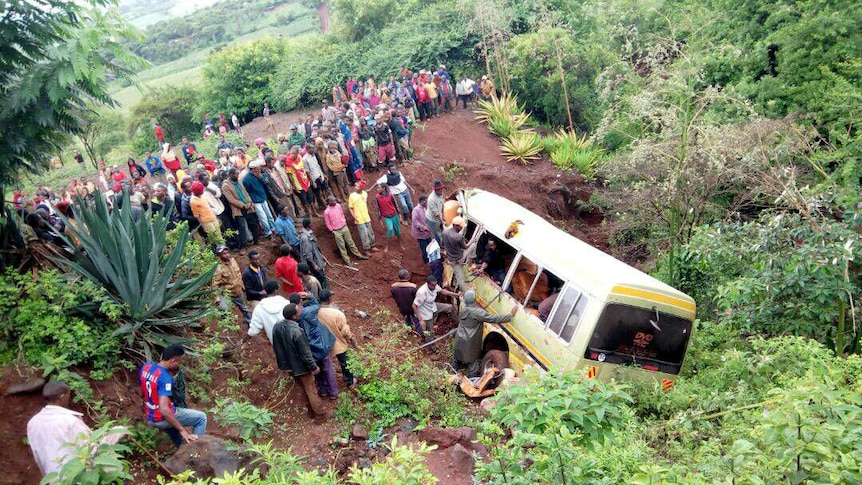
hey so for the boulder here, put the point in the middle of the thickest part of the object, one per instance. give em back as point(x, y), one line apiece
point(462, 459)
point(447, 437)
point(359, 433)
point(207, 457)
point(33, 385)
point(486, 405)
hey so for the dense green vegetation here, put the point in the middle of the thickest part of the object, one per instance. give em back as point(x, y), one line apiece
point(722, 143)
point(217, 26)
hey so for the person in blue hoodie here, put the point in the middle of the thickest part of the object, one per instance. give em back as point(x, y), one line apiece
point(256, 188)
point(321, 341)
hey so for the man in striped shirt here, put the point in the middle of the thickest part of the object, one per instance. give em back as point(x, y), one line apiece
point(157, 387)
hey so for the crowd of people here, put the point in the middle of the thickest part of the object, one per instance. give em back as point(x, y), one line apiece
point(245, 194)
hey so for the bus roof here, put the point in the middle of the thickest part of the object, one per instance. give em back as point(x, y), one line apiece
point(563, 254)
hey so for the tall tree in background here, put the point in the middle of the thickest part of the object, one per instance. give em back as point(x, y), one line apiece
point(56, 57)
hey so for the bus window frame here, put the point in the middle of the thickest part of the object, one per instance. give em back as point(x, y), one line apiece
point(547, 323)
point(539, 270)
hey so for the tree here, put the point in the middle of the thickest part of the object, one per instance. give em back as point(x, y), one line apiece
point(100, 132)
point(172, 107)
point(237, 77)
point(65, 55)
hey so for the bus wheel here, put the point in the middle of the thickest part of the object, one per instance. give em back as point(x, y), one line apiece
point(498, 359)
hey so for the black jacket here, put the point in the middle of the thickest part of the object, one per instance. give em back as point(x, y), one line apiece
point(253, 283)
point(292, 352)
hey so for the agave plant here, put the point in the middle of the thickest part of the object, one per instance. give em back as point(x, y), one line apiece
point(127, 257)
point(571, 152)
point(503, 115)
point(522, 147)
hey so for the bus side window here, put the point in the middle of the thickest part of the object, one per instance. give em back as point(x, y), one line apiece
point(564, 321)
point(574, 319)
point(565, 304)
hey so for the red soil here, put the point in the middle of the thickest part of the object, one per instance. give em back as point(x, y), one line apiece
point(441, 142)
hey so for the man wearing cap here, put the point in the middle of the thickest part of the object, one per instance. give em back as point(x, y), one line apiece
point(295, 138)
point(468, 335)
point(358, 206)
point(454, 246)
point(434, 211)
point(228, 277)
point(464, 90)
point(486, 88)
point(256, 188)
point(335, 221)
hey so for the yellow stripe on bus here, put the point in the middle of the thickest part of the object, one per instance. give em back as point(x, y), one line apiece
point(518, 337)
point(655, 297)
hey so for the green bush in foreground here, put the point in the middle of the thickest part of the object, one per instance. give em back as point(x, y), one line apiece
point(66, 319)
point(394, 385)
point(777, 411)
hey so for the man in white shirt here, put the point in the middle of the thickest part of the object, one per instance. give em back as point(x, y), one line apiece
point(427, 309)
point(464, 90)
point(55, 426)
point(268, 312)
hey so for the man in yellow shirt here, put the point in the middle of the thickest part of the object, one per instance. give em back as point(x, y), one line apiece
point(435, 98)
point(204, 214)
point(358, 205)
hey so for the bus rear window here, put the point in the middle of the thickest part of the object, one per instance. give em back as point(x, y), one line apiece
point(640, 336)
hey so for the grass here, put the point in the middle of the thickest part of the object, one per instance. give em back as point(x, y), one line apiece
point(58, 177)
point(188, 69)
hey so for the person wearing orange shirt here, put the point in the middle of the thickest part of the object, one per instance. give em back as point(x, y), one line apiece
point(204, 214)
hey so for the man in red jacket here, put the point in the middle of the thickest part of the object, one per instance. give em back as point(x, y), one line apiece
point(159, 133)
point(423, 101)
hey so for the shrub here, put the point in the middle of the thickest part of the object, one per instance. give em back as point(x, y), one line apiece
point(394, 386)
point(237, 77)
point(503, 115)
point(128, 259)
point(53, 315)
point(522, 147)
point(570, 152)
point(92, 461)
point(251, 420)
point(403, 465)
point(556, 420)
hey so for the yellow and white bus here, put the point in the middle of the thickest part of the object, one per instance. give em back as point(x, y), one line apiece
point(597, 313)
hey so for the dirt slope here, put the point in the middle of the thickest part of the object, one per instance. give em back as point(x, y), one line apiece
point(451, 139)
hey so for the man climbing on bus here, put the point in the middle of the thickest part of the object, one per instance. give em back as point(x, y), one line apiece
point(468, 335)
